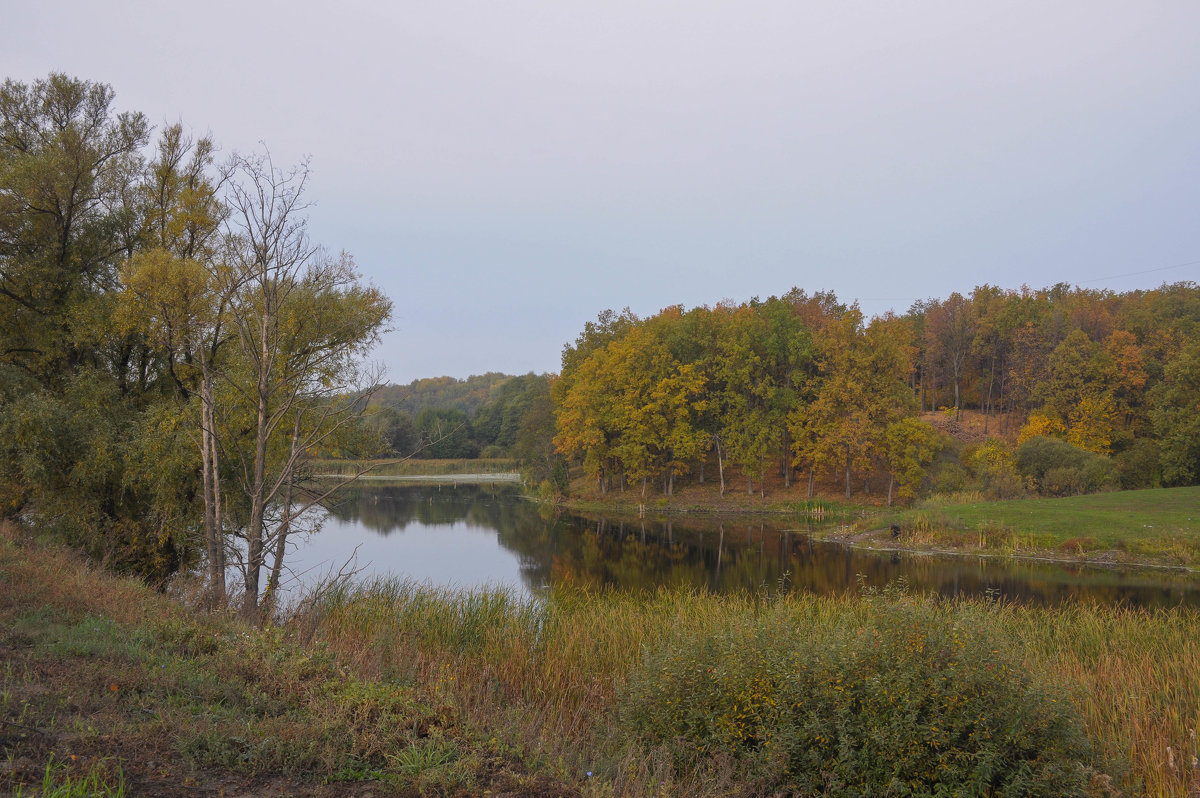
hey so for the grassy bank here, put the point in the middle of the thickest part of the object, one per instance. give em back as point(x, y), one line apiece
point(416, 467)
point(1159, 526)
point(392, 689)
point(1146, 527)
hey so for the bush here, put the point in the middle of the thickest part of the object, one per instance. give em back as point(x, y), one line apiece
point(1137, 466)
point(904, 698)
point(994, 468)
point(1065, 470)
point(950, 478)
point(1063, 481)
point(1100, 473)
point(1003, 484)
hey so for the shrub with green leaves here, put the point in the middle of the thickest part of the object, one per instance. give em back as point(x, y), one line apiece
point(900, 696)
point(993, 465)
point(1062, 469)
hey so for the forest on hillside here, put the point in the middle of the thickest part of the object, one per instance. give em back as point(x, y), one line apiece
point(1080, 389)
point(1071, 391)
point(489, 415)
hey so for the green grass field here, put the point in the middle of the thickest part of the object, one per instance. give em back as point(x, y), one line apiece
point(1160, 526)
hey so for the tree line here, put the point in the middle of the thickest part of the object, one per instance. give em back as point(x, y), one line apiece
point(173, 346)
point(803, 386)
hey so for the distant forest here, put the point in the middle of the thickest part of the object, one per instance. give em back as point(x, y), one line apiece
point(491, 415)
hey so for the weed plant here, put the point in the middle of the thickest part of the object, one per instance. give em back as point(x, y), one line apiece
point(96, 783)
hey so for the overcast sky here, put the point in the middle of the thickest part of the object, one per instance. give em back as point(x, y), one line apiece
point(507, 170)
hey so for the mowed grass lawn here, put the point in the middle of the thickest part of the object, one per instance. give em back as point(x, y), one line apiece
point(1157, 525)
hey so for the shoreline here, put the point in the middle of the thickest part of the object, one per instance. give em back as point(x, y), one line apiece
point(867, 540)
point(858, 541)
point(456, 479)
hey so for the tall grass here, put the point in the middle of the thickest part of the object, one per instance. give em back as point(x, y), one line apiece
point(434, 689)
point(550, 676)
point(1137, 671)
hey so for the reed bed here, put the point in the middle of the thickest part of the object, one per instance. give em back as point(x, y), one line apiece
point(1136, 671)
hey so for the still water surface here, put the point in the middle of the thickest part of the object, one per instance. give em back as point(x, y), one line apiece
point(471, 536)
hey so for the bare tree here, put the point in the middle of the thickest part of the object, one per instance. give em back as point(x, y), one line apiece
point(294, 380)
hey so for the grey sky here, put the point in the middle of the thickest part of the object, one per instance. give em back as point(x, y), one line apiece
point(506, 170)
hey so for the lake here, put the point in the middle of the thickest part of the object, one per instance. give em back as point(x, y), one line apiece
point(472, 536)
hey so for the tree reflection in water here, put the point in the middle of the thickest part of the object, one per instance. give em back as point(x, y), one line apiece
point(720, 554)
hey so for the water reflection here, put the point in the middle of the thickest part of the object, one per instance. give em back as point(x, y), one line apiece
point(470, 535)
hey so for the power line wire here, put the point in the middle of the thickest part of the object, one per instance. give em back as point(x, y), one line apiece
point(1075, 282)
point(1144, 271)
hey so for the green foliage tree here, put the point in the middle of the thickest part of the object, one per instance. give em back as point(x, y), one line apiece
point(497, 423)
point(396, 431)
point(445, 434)
point(908, 445)
point(1175, 414)
point(467, 395)
point(534, 447)
point(77, 385)
point(68, 163)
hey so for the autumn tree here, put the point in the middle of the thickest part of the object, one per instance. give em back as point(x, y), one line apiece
point(172, 297)
point(949, 335)
point(862, 388)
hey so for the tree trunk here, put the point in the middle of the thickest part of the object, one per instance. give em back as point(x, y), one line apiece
point(285, 523)
point(211, 485)
point(720, 466)
point(812, 478)
point(258, 485)
point(991, 382)
point(787, 457)
point(891, 482)
point(847, 472)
